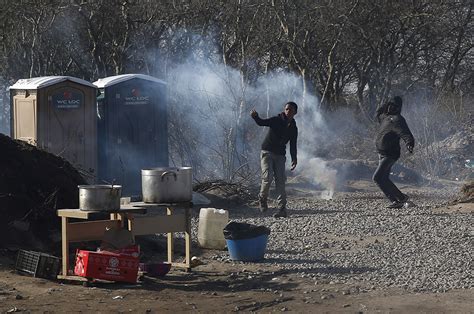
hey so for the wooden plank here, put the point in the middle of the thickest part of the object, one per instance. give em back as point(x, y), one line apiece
point(182, 265)
point(89, 214)
point(72, 278)
point(83, 214)
point(170, 246)
point(83, 279)
point(65, 245)
point(91, 230)
point(170, 240)
point(128, 208)
point(160, 205)
point(187, 237)
point(73, 213)
point(157, 224)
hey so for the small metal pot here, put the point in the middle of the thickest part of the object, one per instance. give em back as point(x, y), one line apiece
point(167, 185)
point(99, 197)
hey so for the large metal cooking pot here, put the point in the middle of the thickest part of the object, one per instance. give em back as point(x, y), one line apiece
point(99, 197)
point(167, 184)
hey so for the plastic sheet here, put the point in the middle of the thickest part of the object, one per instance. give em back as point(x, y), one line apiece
point(239, 230)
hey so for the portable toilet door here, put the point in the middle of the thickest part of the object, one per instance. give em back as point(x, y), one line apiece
point(133, 128)
point(58, 114)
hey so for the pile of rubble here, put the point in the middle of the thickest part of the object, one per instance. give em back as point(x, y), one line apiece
point(33, 185)
point(467, 193)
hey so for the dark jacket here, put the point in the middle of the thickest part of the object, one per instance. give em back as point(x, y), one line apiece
point(279, 134)
point(392, 127)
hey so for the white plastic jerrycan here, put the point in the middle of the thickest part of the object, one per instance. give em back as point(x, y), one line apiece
point(211, 223)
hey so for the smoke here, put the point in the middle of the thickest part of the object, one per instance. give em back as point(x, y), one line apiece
point(210, 106)
point(319, 172)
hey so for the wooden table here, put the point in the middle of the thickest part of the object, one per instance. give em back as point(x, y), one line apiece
point(138, 217)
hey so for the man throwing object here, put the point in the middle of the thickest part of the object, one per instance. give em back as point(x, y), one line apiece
point(282, 129)
point(393, 127)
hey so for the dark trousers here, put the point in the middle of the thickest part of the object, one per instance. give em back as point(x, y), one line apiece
point(382, 179)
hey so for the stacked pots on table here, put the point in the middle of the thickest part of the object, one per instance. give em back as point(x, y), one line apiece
point(167, 185)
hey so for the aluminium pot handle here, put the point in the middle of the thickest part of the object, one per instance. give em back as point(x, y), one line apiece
point(167, 173)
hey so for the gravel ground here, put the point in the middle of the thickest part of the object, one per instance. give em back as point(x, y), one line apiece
point(354, 238)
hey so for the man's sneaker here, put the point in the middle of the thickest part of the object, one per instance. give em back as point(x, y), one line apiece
point(405, 199)
point(263, 205)
point(395, 204)
point(281, 214)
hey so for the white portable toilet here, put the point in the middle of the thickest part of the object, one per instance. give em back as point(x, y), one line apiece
point(57, 114)
point(210, 229)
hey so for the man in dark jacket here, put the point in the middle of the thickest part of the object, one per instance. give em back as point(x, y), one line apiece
point(282, 129)
point(392, 127)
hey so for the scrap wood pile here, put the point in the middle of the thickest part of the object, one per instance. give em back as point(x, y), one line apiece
point(450, 155)
point(238, 193)
point(467, 193)
point(33, 184)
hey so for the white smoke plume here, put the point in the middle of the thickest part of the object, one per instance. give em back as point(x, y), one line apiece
point(212, 101)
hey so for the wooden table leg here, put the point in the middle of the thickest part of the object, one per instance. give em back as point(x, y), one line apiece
point(65, 244)
point(170, 239)
point(187, 237)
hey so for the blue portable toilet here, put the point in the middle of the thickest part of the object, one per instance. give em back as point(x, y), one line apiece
point(132, 128)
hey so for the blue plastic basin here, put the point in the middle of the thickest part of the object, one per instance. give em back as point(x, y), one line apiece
point(247, 250)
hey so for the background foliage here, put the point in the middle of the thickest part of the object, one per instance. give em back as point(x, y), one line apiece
point(352, 55)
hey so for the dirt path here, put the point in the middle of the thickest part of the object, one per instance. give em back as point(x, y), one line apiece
point(219, 287)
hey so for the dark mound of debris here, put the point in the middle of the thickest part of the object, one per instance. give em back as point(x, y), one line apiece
point(33, 185)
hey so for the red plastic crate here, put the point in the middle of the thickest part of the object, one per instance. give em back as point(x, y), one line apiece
point(106, 266)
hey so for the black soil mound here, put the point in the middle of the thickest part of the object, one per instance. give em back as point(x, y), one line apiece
point(33, 185)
